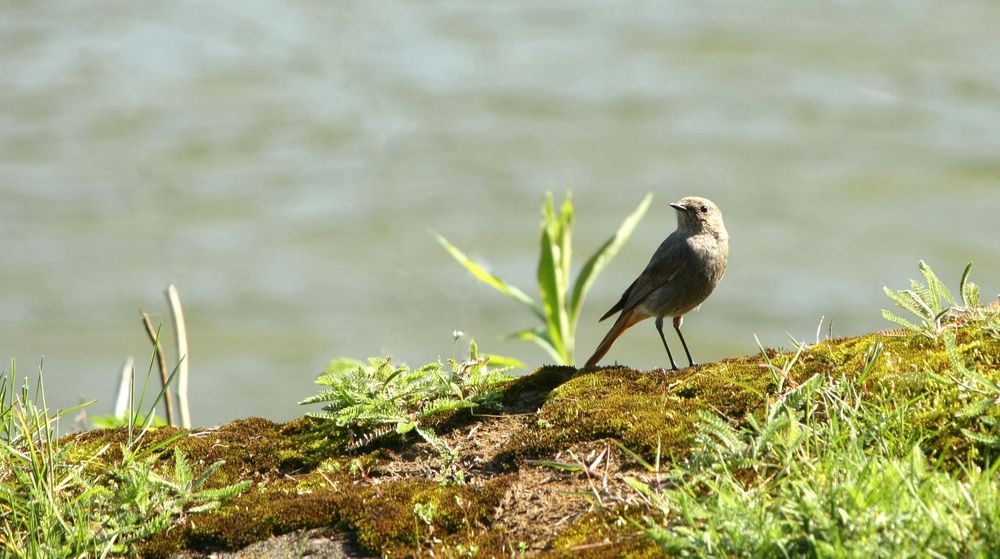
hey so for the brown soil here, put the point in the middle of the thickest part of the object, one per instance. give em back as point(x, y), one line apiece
point(546, 495)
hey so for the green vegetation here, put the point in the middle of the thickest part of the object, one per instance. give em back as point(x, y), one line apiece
point(933, 303)
point(837, 465)
point(982, 399)
point(60, 500)
point(560, 307)
point(830, 470)
point(884, 444)
point(379, 399)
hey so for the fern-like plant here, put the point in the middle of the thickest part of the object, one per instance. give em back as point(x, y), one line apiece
point(932, 302)
point(189, 488)
point(146, 502)
point(982, 398)
point(379, 398)
point(560, 306)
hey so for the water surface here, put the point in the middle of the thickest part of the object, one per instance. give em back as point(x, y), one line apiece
point(284, 164)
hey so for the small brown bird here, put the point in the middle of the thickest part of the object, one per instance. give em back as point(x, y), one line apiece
point(682, 273)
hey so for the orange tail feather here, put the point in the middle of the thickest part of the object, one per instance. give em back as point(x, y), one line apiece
point(625, 320)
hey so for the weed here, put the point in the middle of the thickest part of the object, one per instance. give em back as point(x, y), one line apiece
point(560, 308)
point(933, 303)
point(57, 504)
point(826, 472)
point(381, 399)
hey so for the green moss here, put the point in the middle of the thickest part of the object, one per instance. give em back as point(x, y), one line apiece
point(531, 391)
point(604, 533)
point(108, 443)
point(303, 475)
point(383, 518)
point(252, 448)
point(905, 379)
point(249, 518)
point(311, 441)
point(260, 515)
point(642, 408)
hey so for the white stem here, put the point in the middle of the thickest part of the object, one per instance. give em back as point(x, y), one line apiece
point(180, 332)
point(121, 400)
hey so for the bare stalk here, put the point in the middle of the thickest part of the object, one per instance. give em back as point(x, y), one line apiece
point(124, 386)
point(180, 331)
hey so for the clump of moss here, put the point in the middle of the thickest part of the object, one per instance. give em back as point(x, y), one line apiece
point(605, 533)
point(252, 517)
point(404, 517)
point(641, 409)
point(398, 517)
point(252, 448)
point(529, 392)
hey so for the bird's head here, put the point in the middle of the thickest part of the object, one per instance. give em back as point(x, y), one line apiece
point(697, 215)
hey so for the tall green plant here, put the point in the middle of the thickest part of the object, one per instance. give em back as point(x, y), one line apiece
point(561, 302)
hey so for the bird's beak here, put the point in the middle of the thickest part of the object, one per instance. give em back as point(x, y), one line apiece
point(678, 207)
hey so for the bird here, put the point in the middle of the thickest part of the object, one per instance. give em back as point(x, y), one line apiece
point(682, 273)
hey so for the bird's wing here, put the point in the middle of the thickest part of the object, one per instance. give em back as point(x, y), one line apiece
point(668, 261)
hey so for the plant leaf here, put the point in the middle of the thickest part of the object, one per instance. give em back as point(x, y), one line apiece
point(903, 302)
point(596, 263)
point(969, 290)
point(565, 238)
point(936, 287)
point(541, 338)
point(503, 362)
point(634, 456)
point(562, 466)
point(342, 365)
point(551, 284)
point(489, 279)
point(901, 321)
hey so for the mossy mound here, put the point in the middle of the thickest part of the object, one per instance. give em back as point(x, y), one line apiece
point(647, 410)
point(390, 500)
point(641, 409)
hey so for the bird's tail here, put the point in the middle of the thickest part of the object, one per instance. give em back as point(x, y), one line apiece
point(625, 320)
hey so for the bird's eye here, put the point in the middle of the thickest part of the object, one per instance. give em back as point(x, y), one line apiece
point(704, 209)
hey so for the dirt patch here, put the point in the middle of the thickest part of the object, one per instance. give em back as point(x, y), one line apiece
point(477, 445)
point(538, 505)
point(545, 496)
point(552, 494)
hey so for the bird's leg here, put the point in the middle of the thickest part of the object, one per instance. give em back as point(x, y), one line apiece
point(678, 320)
point(659, 328)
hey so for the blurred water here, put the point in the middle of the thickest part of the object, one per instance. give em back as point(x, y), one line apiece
point(283, 165)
